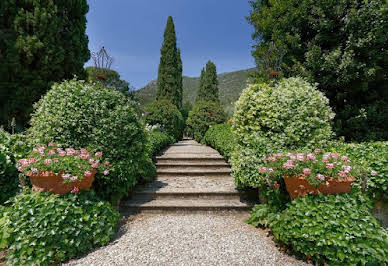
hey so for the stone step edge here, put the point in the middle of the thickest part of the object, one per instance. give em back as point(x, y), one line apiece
point(194, 164)
point(188, 193)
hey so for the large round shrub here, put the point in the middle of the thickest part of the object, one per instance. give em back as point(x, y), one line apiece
point(333, 230)
point(81, 115)
point(289, 114)
point(9, 179)
point(45, 228)
point(167, 115)
point(204, 115)
point(221, 138)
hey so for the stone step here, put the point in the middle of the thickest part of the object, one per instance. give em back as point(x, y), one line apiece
point(189, 163)
point(193, 172)
point(210, 169)
point(187, 195)
point(183, 205)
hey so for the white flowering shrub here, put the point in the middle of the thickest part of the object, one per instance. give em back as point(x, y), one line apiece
point(290, 114)
point(83, 115)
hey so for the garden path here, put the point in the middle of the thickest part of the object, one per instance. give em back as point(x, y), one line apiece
point(191, 215)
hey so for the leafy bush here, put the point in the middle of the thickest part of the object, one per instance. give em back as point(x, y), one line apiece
point(221, 138)
point(370, 156)
point(81, 115)
point(47, 228)
point(157, 141)
point(167, 115)
point(335, 229)
point(4, 227)
point(202, 116)
point(290, 114)
point(9, 179)
point(269, 118)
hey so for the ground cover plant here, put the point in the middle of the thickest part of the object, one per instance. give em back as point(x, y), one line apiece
point(44, 228)
point(82, 115)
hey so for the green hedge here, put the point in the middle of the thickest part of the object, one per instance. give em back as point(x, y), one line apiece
point(43, 228)
point(157, 141)
point(370, 156)
point(221, 138)
point(333, 230)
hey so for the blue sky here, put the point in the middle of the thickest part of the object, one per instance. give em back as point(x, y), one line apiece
point(132, 32)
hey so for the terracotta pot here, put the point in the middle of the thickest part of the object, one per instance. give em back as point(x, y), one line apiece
point(299, 186)
point(102, 77)
point(44, 181)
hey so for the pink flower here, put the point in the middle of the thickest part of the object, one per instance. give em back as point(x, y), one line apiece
point(91, 161)
point(344, 158)
point(317, 150)
point(95, 165)
point(32, 160)
point(47, 161)
point(310, 156)
point(270, 170)
point(34, 170)
point(83, 151)
point(334, 155)
point(329, 166)
point(24, 162)
point(347, 168)
point(106, 172)
point(75, 190)
point(52, 152)
point(288, 165)
point(341, 173)
point(84, 156)
point(51, 144)
point(325, 159)
point(321, 177)
point(56, 160)
point(279, 154)
point(62, 153)
point(276, 185)
point(20, 169)
point(66, 176)
point(74, 178)
point(88, 174)
point(373, 173)
point(300, 157)
point(98, 154)
point(263, 169)
point(306, 171)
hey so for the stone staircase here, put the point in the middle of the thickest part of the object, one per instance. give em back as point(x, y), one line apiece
point(191, 178)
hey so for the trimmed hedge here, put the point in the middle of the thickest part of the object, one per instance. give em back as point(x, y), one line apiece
point(202, 117)
point(157, 141)
point(221, 138)
point(82, 115)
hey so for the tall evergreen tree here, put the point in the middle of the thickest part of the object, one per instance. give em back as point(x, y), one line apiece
point(40, 42)
point(169, 68)
point(180, 79)
point(208, 84)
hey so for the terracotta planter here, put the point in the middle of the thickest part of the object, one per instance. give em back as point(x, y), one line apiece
point(46, 181)
point(299, 186)
point(101, 77)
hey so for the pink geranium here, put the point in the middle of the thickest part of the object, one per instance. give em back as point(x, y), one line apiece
point(329, 166)
point(373, 173)
point(75, 190)
point(106, 172)
point(263, 170)
point(88, 174)
point(306, 171)
point(341, 173)
point(47, 161)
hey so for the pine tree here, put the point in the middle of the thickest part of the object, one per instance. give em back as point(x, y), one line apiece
point(169, 78)
point(180, 79)
point(41, 42)
point(208, 84)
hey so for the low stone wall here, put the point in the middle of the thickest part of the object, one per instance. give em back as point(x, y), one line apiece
point(380, 212)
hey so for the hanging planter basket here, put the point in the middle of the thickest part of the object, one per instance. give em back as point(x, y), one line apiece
point(47, 181)
point(299, 186)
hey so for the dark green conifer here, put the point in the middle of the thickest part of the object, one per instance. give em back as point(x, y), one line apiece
point(41, 42)
point(180, 80)
point(169, 72)
point(208, 84)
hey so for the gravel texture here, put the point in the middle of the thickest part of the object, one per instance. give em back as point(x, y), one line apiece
point(188, 239)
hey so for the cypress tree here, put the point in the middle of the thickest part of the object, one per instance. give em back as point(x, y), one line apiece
point(180, 79)
point(169, 78)
point(41, 42)
point(208, 84)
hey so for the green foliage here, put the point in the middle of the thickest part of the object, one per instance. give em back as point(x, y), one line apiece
point(341, 45)
point(47, 228)
point(221, 138)
point(335, 230)
point(167, 115)
point(268, 118)
point(81, 115)
point(4, 228)
point(202, 117)
point(157, 141)
point(9, 180)
point(170, 68)
point(41, 42)
point(262, 215)
point(208, 84)
point(369, 156)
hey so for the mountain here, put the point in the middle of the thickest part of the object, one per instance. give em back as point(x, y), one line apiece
point(230, 85)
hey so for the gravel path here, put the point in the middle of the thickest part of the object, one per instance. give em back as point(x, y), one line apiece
point(188, 239)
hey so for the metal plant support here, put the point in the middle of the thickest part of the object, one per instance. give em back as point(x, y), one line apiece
point(102, 63)
point(273, 60)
